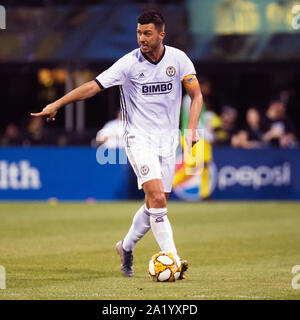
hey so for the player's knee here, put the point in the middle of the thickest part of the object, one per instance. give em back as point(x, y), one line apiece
point(158, 200)
point(157, 214)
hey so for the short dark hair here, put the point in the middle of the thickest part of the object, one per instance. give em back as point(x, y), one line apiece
point(152, 17)
point(277, 100)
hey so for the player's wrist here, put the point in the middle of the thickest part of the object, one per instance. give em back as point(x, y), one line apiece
point(56, 105)
point(192, 130)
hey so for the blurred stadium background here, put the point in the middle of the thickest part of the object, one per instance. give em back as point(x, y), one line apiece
point(246, 53)
point(247, 57)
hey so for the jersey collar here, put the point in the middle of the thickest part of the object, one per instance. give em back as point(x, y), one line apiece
point(157, 60)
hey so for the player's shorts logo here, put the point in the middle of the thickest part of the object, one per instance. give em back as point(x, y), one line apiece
point(171, 71)
point(144, 169)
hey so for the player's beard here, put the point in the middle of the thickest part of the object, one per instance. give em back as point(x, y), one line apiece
point(150, 49)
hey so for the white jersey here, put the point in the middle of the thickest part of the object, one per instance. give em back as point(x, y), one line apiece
point(150, 93)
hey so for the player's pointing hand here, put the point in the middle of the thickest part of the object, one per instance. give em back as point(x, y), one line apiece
point(49, 112)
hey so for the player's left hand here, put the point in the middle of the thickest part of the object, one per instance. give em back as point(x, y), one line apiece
point(191, 138)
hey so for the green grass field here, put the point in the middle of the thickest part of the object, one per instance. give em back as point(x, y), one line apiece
point(236, 250)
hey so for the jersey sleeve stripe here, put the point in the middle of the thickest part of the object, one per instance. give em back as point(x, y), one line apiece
point(99, 84)
point(123, 110)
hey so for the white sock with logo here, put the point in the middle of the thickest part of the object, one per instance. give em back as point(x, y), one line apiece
point(162, 230)
point(140, 226)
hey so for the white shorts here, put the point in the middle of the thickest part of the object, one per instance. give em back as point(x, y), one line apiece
point(148, 164)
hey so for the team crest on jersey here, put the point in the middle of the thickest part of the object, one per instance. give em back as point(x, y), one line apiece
point(144, 169)
point(171, 71)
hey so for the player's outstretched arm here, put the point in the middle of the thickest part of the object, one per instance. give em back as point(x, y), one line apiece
point(192, 87)
point(87, 90)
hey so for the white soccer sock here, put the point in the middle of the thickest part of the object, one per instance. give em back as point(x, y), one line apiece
point(140, 226)
point(162, 230)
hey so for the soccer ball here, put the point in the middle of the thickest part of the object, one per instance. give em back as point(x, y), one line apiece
point(163, 267)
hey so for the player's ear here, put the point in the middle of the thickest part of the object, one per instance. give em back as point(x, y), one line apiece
point(162, 35)
point(162, 32)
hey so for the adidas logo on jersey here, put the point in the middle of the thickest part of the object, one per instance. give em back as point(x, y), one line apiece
point(141, 76)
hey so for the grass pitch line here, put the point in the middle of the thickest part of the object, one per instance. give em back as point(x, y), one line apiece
point(230, 297)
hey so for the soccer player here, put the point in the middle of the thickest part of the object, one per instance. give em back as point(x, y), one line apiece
point(150, 80)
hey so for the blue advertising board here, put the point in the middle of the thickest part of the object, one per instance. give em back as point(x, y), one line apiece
point(248, 174)
point(62, 173)
point(81, 173)
point(258, 174)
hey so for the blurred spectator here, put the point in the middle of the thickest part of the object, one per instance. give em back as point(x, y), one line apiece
point(227, 128)
point(241, 140)
point(12, 136)
point(280, 132)
point(206, 90)
point(36, 133)
point(111, 135)
point(254, 125)
point(252, 135)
